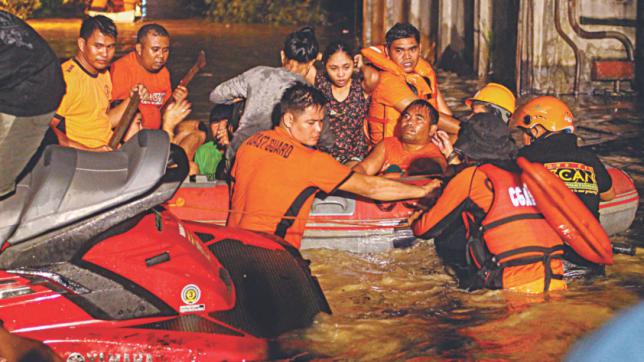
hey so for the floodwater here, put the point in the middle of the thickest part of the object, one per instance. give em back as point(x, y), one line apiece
point(402, 304)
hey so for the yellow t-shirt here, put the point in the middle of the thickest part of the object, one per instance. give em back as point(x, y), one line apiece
point(84, 107)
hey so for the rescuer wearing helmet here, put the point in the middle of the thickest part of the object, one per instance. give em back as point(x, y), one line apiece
point(493, 98)
point(503, 238)
point(548, 135)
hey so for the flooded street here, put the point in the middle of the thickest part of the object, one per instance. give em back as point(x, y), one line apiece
point(402, 304)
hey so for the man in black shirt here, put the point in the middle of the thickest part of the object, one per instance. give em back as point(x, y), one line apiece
point(548, 136)
point(31, 87)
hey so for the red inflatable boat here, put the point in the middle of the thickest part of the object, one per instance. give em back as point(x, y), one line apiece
point(95, 269)
point(359, 225)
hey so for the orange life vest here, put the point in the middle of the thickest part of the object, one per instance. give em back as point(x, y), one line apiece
point(395, 154)
point(514, 247)
point(383, 116)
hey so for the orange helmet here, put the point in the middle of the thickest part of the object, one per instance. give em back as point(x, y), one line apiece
point(549, 112)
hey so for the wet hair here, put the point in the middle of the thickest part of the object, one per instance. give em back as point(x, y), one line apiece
point(221, 111)
point(300, 96)
point(153, 28)
point(402, 31)
point(433, 113)
point(336, 47)
point(99, 22)
point(301, 45)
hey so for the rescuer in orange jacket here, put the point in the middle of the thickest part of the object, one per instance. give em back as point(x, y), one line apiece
point(278, 172)
point(508, 243)
point(403, 78)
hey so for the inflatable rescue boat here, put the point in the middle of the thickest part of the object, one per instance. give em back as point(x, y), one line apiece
point(355, 224)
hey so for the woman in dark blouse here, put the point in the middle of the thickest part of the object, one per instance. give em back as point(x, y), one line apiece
point(348, 103)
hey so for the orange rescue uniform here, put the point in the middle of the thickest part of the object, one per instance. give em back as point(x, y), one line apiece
point(395, 86)
point(84, 107)
point(128, 72)
point(510, 243)
point(275, 179)
point(395, 154)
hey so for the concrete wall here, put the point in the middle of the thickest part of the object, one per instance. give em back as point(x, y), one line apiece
point(482, 37)
point(451, 31)
point(548, 63)
point(380, 15)
point(545, 63)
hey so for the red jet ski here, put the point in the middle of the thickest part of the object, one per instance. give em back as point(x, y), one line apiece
point(92, 266)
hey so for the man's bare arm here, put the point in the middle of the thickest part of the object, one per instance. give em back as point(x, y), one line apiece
point(372, 164)
point(380, 188)
point(442, 105)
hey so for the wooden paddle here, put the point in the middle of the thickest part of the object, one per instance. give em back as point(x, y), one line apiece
point(130, 111)
point(125, 121)
point(187, 78)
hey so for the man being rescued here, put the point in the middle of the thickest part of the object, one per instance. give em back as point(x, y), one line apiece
point(508, 243)
point(278, 172)
point(404, 77)
point(412, 151)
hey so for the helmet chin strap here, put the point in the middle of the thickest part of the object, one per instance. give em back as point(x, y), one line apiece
point(528, 131)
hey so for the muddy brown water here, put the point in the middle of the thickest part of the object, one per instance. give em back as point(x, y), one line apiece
point(402, 304)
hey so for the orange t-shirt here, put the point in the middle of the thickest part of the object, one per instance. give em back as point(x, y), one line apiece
point(275, 179)
point(127, 72)
point(395, 154)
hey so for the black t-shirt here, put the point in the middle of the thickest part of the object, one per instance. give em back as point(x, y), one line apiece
point(31, 81)
point(580, 169)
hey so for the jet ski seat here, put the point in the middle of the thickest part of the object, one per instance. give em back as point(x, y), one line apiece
point(68, 184)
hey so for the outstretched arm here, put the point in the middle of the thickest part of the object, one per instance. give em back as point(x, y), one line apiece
point(230, 90)
point(372, 164)
point(382, 189)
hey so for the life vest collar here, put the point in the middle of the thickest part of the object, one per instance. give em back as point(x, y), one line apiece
point(378, 57)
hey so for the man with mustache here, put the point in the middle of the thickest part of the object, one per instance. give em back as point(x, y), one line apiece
point(412, 149)
point(147, 65)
